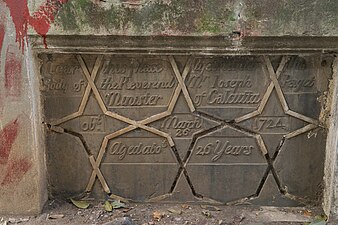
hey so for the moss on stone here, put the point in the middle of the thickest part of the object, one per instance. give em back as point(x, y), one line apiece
point(216, 17)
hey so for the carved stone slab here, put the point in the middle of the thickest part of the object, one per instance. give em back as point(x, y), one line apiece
point(225, 129)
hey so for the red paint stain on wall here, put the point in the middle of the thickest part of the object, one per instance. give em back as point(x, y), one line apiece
point(16, 168)
point(7, 138)
point(2, 34)
point(20, 14)
point(42, 19)
point(39, 20)
point(13, 68)
point(15, 171)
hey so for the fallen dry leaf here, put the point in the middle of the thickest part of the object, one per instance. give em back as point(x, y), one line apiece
point(80, 204)
point(175, 211)
point(185, 206)
point(307, 213)
point(107, 206)
point(157, 216)
point(118, 204)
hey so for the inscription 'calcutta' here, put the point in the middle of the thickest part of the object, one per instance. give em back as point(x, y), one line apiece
point(217, 97)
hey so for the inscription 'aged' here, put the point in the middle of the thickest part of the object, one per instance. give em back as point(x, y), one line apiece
point(122, 150)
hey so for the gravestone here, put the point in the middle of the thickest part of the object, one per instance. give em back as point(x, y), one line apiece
point(185, 128)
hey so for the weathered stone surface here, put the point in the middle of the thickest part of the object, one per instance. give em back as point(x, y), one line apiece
point(153, 27)
point(300, 162)
point(68, 165)
point(186, 128)
point(226, 165)
point(176, 17)
point(270, 195)
point(23, 188)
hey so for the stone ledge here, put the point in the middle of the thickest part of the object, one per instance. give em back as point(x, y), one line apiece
point(185, 45)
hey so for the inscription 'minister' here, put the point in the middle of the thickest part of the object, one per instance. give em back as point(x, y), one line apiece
point(118, 99)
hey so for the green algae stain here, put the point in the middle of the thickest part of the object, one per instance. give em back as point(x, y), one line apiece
point(208, 25)
point(153, 17)
point(66, 18)
point(217, 17)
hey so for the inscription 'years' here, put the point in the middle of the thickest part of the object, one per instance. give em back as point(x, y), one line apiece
point(218, 149)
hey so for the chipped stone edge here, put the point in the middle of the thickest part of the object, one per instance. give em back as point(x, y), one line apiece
point(330, 175)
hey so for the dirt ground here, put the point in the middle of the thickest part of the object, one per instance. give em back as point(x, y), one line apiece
point(63, 212)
